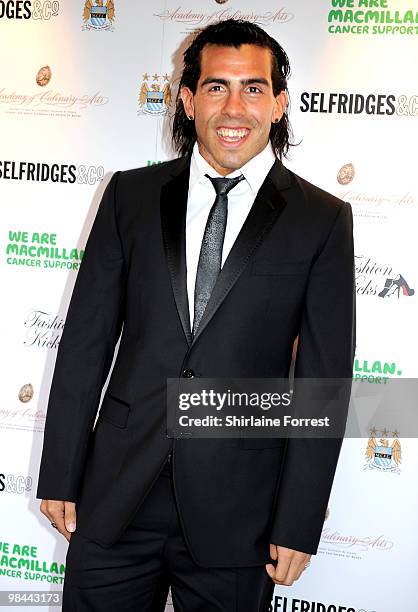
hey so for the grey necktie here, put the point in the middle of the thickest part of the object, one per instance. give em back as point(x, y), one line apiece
point(210, 257)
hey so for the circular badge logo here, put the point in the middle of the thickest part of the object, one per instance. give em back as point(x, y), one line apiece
point(346, 174)
point(221, 1)
point(26, 393)
point(44, 76)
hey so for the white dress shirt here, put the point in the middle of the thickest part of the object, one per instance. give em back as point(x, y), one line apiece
point(201, 198)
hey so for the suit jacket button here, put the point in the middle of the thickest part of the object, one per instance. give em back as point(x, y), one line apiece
point(188, 373)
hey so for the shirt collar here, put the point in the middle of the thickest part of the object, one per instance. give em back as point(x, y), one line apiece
point(254, 171)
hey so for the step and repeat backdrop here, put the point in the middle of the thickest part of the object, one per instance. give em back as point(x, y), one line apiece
point(87, 88)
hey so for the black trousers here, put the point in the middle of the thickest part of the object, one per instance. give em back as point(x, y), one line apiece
point(134, 574)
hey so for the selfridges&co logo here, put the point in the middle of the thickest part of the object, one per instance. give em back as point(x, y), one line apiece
point(15, 484)
point(371, 17)
point(55, 173)
point(40, 250)
point(43, 329)
point(376, 279)
point(48, 102)
point(197, 18)
point(359, 104)
point(280, 603)
point(23, 9)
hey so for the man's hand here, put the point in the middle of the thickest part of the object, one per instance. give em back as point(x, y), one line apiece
point(290, 564)
point(62, 513)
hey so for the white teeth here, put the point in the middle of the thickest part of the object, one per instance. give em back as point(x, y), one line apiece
point(231, 133)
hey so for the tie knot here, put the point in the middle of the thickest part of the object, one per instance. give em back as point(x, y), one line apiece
point(223, 185)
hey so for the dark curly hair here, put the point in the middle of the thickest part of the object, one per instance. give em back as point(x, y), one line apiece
point(231, 33)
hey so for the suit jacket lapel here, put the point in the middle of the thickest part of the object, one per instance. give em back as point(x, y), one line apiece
point(173, 221)
point(264, 212)
point(266, 209)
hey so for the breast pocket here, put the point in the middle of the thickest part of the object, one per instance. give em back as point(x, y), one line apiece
point(266, 267)
point(115, 411)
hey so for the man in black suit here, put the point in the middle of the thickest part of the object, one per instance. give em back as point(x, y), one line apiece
point(210, 265)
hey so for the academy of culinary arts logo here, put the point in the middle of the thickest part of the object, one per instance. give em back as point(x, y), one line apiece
point(24, 413)
point(346, 174)
point(195, 17)
point(98, 15)
point(46, 101)
point(381, 454)
point(43, 76)
point(155, 94)
point(26, 393)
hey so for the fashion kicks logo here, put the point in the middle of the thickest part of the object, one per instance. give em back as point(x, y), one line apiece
point(382, 455)
point(155, 94)
point(374, 278)
point(98, 16)
point(393, 286)
point(371, 17)
point(43, 329)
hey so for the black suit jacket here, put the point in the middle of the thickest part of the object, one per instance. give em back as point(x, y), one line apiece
point(290, 273)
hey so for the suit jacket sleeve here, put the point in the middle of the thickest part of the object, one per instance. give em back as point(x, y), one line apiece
point(326, 349)
point(85, 353)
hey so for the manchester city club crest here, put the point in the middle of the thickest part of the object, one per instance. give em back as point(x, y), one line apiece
point(98, 15)
point(382, 455)
point(155, 94)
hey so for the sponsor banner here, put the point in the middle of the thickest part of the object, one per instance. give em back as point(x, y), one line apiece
point(197, 18)
point(43, 329)
point(25, 561)
point(39, 10)
point(40, 250)
point(375, 104)
point(47, 172)
point(372, 17)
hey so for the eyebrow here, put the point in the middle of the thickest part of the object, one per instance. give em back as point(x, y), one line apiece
point(252, 81)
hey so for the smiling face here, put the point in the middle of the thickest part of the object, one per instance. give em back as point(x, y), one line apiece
point(234, 105)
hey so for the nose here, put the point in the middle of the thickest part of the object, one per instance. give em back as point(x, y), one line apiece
point(233, 106)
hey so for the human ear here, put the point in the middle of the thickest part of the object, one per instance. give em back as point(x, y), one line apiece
point(280, 106)
point(186, 96)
